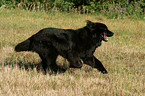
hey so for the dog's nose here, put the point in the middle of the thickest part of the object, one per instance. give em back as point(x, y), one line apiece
point(110, 34)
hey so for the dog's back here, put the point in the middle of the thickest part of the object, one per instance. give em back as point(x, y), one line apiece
point(47, 35)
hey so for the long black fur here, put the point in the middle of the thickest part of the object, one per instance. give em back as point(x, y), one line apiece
point(74, 45)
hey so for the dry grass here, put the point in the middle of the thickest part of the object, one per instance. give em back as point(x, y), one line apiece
point(123, 56)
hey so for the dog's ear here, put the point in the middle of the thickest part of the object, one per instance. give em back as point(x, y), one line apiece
point(90, 24)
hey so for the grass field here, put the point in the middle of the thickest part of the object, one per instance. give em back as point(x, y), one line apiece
point(123, 56)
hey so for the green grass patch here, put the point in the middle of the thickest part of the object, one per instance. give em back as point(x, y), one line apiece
point(123, 56)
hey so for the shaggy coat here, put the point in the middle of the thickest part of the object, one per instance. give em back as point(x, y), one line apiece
point(74, 45)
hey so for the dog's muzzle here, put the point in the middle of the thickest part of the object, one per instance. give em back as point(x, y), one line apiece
point(104, 35)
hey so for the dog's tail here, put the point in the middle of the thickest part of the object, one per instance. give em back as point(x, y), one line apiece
point(23, 46)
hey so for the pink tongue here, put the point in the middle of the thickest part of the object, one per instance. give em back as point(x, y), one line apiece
point(105, 37)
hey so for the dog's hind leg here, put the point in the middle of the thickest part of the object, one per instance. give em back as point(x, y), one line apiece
point(48, 56)
point(95, 63)
point(45, 64)
point(49, 61)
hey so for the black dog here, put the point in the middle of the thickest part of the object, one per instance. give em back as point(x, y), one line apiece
point(74, 45)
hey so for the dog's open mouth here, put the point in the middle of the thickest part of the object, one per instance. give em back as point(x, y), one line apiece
point(104, 37)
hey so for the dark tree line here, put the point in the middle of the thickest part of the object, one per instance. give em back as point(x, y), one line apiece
point(113, 8)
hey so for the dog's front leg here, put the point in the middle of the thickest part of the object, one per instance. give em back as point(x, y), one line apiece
point(75, 62)
point(95, 63)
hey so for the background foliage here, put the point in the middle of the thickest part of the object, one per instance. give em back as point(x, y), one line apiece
point(110, 8)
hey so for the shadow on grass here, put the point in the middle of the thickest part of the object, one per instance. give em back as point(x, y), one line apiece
point(31, 66)
point(24, 66)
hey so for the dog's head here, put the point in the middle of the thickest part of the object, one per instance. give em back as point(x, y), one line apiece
point(99, 29)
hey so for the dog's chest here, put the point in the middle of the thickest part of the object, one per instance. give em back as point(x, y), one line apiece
point(89, 49)
point(87, 52)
